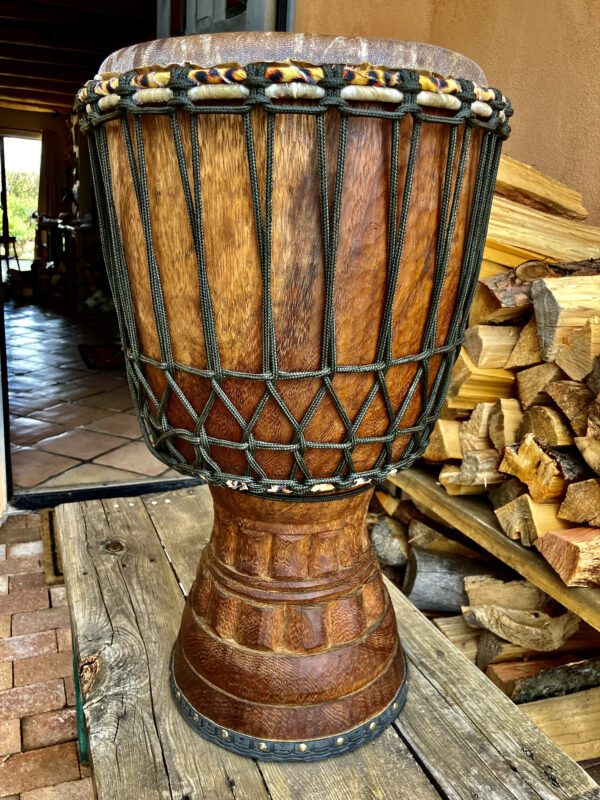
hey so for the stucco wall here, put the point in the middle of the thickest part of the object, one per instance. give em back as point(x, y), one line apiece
point(544, 55)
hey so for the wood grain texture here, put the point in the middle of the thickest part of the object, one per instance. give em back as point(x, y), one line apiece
point(463, 736)
point(476, 520)
point(297, 281)
point(288, 632)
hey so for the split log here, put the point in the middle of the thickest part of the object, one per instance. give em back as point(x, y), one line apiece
point(387, 502)
point(533, 629)
point(526, 351)
point(562, 304)
point(480, 467)
point(532, 383)
point(444, 441)
point(491, 345)
point(423, 536)
point(501, 298)
point(490, 268)
point(491, 649)
point(547, 425)
point(522, 519)
point(526, 681)
point(507, 491)
point(460, 634)
point(530, 187)
point(573, 554)
point(577, 357)
point(390, 542)
point(593, 380)
point(504, 422)
point(593, 420)
point(589, 447)
point(449, 479)
point(435, 582)
point(573, 399)
point(546, 471)
point(582, 503)
point(473, 434)
point(470, 385)
point(506, 254)
point(572, 722)
point(538, 232)
point(485, 590)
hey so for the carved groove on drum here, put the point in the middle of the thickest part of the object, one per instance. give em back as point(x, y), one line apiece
point(293, 330)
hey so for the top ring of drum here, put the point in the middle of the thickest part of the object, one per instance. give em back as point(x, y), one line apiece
point(262, 83)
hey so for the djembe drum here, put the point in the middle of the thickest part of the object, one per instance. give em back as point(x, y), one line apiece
point(293, 238)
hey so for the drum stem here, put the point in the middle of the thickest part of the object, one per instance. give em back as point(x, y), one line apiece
point(288, 646)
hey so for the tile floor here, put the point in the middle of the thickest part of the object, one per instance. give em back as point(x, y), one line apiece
point(69, 426)
point(38, 753)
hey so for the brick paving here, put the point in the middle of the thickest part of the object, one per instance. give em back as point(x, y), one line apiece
point(38, 730)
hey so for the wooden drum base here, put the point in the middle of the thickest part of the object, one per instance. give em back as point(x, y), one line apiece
point(288, 647)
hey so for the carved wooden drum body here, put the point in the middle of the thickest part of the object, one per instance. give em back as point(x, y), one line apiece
point(293, 228)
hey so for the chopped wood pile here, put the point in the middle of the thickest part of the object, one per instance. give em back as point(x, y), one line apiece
point(521, 422)
point(521, 427)
point(539, 654)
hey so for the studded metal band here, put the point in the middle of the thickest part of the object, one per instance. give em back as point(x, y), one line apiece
point(281, 750)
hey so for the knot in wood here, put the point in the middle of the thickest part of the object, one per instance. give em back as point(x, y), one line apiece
point(114, 547)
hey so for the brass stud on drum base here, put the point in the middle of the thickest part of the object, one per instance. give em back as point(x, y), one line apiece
point(282, 750)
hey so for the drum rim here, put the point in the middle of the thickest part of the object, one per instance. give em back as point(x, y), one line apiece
point(275, 47)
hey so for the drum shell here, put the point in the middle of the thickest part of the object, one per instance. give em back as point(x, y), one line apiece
point(297, 279)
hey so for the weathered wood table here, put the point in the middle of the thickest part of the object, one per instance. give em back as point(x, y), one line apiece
point(128, 564)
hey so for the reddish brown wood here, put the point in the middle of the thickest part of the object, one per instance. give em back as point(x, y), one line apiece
point(288, 631)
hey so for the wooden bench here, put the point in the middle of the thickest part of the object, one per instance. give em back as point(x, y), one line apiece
point(128, 564)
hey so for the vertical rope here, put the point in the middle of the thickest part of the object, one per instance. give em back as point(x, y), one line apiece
point(158, 431)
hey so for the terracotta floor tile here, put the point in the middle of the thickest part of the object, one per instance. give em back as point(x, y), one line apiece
point(28, 600)
point(80, 444)
point(29, 646)
point(74, 790)
point(26, 430)
point(28, 405)
point(43, 619)
point(24, 701)
point(10, 736)
point(64, 639)
point(19, 566)
point(117, 424)
point(115, 400)
point(25, 549)
point(134, 457)
point(29, 580)
point(70, 414)
point(30, 467)
point(6, 675)
point(50, 665)
point(53, 727)
point(86, 474)
point(39, 768)
point(102, 381)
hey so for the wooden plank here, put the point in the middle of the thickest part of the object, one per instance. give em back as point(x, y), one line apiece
point(463, 752)
point(125, 608)
point(384, 768)
point(571, 721)
point(454, 714)
point(475, 519)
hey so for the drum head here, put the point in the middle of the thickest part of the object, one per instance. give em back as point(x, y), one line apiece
point(247, 48)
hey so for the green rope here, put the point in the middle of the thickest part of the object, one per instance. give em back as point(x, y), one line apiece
point(159, 434)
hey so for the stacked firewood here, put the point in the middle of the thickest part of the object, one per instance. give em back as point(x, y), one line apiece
point(521, 423)
point(539, 654)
